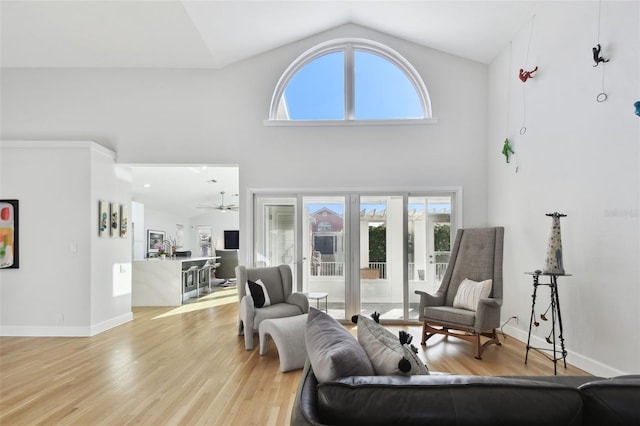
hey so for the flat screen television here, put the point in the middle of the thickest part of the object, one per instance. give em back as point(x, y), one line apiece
point(231, 240)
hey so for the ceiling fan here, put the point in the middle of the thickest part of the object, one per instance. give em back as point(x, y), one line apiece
point(222, 207)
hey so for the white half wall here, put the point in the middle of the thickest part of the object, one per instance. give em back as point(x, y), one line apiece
point(578, 157)
point(70, 281)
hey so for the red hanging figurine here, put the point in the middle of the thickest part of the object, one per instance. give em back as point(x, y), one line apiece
point(525, 75)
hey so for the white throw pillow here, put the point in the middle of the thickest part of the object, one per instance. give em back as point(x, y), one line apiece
point(385, 350)
point(470, 292)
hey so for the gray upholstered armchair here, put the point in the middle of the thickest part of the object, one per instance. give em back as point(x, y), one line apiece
point(477, 256)
point(278, 282)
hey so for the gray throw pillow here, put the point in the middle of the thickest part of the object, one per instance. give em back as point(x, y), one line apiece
point(332, 350)
point(387, 355)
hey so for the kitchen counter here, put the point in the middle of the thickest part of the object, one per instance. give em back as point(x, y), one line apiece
point(158, 282)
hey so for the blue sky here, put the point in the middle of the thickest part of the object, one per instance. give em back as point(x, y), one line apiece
point(382, 90)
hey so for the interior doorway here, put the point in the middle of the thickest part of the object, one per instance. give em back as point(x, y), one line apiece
point(178, 199)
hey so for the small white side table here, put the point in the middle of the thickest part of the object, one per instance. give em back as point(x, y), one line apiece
point(317, 296)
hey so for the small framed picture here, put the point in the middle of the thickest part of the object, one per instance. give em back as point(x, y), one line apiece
point(115, 220)
point(103, 218)
point(154, 240)
point(124, 219)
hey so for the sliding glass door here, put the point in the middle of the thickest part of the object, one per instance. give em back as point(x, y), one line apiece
point(367, 252)
point(324, 249)
point(429, 222)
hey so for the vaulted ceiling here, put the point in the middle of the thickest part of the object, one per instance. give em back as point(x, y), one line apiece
point(214, 34)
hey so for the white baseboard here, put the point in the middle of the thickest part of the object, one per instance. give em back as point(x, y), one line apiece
point(111, 323)
point(43, 331)
point(577, 360)
point(64, 331)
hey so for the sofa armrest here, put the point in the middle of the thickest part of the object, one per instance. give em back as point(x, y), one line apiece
point(299, 300)
point(305, 406)
point(613, 402)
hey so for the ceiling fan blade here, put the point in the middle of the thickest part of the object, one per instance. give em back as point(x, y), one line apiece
point(207, 206)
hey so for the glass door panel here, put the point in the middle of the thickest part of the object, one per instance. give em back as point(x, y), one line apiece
point(367, 252)
point(204, 246)
point(381, 256)
point(274, 240)
point(429, 245)
point(323, 250)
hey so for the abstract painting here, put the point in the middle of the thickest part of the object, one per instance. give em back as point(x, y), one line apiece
point(9, 253)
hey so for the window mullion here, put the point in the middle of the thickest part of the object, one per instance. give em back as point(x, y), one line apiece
point(349, 83)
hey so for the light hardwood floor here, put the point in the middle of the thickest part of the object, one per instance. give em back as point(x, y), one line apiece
point(188, 366)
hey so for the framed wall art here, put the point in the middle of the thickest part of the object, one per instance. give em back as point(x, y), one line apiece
point(9, 252)
point(154, 240)
point(115, 219)
point(103, 218)
point(124, 219)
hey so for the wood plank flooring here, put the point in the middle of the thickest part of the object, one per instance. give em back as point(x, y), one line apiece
point(188, 366)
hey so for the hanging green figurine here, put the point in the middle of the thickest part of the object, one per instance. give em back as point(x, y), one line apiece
point(506, 149)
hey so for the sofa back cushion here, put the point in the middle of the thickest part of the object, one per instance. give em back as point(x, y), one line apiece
point(447, 400)
point(332, 350)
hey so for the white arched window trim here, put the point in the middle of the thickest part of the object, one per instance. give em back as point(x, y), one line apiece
point(348, 46)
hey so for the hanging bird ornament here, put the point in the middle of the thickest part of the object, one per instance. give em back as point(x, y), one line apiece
point(506, 149)
point(596, 55)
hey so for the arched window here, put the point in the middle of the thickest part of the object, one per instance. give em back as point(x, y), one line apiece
point(350, 80)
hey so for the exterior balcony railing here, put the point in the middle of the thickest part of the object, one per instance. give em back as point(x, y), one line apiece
point(336, 269)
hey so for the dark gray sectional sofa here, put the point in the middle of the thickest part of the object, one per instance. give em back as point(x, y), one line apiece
point(467, 400)
point(351, 385)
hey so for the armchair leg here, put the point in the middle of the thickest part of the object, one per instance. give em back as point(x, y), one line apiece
point(478, 347)
point(493, 339)
point(427, 332)
point(468, 335)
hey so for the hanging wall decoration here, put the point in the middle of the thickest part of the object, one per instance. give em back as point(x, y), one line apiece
point(524, 76)
point(596, 55)
point(506, 147)
point(103, 218)
point(637, 105)
point(115, 220)
point(124, 219)
point(598, 59)
point(553, 262)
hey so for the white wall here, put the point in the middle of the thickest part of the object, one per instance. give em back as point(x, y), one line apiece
point(219, 223)
point(110, 276)
point(65, 283)
point(578, 157)
point(162, 221)
point(149, 218)
point(216, 117)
